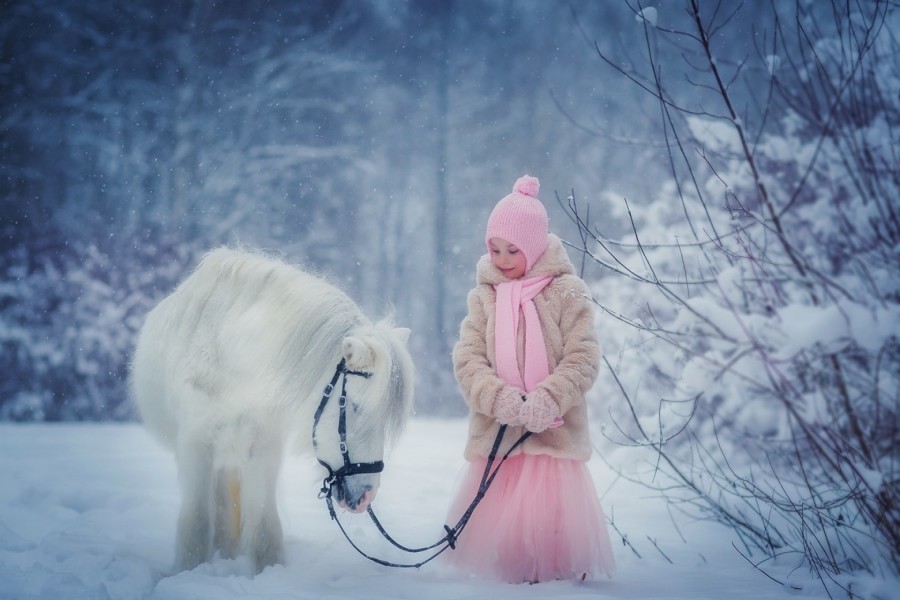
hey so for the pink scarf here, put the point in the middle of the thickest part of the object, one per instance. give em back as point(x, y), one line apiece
point(512, 297)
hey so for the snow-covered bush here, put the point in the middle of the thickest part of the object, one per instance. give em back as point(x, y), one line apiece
point(68, 319)
point(752, 319)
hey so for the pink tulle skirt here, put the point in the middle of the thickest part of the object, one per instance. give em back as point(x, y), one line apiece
point(540, 520)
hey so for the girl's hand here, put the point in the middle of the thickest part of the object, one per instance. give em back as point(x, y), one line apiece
point(508, 406)
point(540, 411)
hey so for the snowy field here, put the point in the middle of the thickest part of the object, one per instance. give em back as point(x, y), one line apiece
point(87, 511)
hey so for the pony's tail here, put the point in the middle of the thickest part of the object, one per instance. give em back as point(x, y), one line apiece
point(228, 512)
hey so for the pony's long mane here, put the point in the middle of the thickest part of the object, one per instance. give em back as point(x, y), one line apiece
point(307, 332)
point(317, 333)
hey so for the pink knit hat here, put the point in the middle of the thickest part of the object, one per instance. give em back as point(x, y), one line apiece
point(521, 220)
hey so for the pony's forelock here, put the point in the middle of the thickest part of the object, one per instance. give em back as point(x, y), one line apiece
point(397, 406)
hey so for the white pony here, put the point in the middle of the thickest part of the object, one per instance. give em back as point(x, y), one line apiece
point(228, 373)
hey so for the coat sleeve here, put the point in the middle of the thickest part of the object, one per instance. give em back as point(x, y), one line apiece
point(579, 364)
point(475, 374)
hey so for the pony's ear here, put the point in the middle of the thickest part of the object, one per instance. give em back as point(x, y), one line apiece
point(358, 354)
point(402, 334)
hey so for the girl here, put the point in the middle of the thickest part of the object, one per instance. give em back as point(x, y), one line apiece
point(526, 355)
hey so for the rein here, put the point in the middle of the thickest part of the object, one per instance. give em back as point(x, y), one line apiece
point(349, 468)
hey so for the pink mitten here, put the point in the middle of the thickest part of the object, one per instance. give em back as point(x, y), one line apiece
point(508, 406)
point(539, 411)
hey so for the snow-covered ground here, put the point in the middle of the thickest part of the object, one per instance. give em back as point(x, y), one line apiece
point(88, 511)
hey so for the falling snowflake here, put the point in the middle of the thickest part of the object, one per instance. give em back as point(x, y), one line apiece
point(648, 14)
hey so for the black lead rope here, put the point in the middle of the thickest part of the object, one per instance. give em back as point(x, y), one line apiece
point(351, 468)
point(487, 478)
point(449, 540)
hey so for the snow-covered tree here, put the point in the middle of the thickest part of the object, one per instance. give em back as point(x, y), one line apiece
point(753, 314)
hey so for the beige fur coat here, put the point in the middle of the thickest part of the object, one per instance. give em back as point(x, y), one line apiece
point(567, 319)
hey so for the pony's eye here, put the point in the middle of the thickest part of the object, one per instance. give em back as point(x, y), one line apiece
point(355, 407)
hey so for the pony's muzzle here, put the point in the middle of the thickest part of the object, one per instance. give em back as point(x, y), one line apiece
point(352, 494)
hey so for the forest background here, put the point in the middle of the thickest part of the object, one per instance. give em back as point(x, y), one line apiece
point(725, 175)
point(366, 140)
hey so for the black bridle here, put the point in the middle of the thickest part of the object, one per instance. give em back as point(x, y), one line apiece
point(351, 468)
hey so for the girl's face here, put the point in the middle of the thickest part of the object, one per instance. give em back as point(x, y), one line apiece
point(508, 258)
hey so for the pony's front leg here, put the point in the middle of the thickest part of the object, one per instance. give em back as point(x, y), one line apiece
point(261, 535)
point(194, 536)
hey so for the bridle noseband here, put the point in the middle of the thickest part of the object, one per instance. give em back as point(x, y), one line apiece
point(348, 468)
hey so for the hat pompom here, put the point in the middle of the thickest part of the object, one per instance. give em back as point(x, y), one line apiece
point(527, 185)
